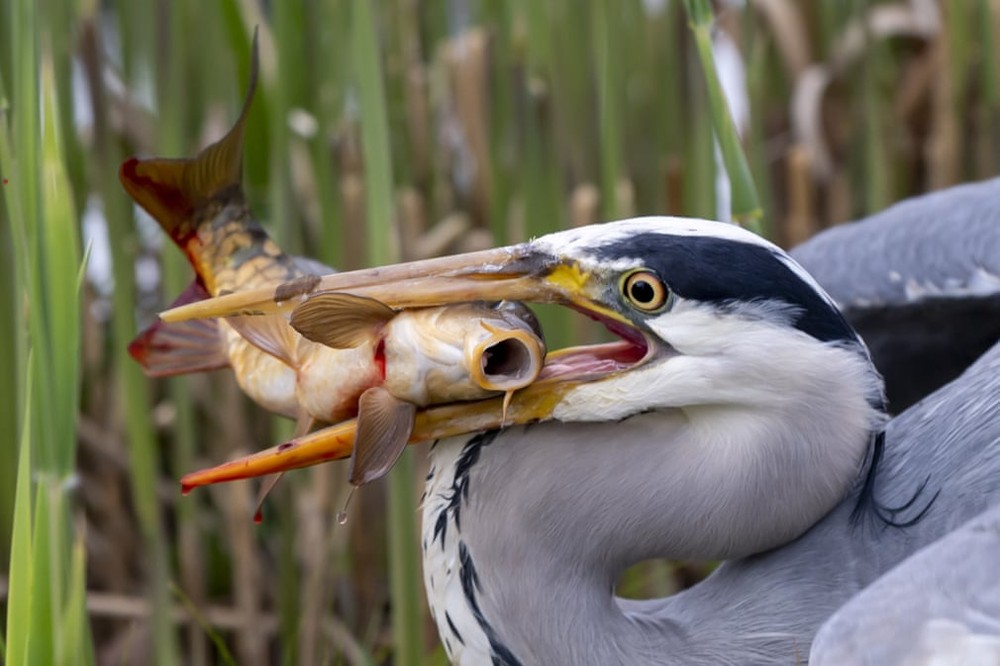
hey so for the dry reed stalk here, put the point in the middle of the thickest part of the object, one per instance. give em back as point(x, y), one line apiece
point(516, 221)
point(442, 236)
point(365, 540)
point(352, 194)
point(944, 139)
point(790, 32)
point(194, 580)
point(417, 122)
point(475, 240)
point(313, 522)
point(915, 85)
point(412, 217)
point(625, 198)
point(467, 60)
point(800, 221)
point(984, 142)
point(584, 204)
point(303, 183)
point(839, 197)
point(237, 508)
point(673, 189)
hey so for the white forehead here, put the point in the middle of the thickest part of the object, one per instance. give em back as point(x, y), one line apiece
point(582, 243)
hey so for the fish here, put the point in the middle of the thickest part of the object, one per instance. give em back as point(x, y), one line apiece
point(342, 357)
point(427, 356)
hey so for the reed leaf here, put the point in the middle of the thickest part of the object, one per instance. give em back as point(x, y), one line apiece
point(745, 202)
point(136, 398)
point(21, 558)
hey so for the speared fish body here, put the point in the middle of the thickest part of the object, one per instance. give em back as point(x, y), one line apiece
point(382, 363)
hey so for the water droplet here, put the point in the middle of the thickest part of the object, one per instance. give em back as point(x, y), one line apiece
point(186, 489)
point(342, 515)
point(258, 517)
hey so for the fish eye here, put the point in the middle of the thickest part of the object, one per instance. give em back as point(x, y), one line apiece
point(645, 291)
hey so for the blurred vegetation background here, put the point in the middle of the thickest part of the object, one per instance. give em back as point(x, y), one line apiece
point(386, 130)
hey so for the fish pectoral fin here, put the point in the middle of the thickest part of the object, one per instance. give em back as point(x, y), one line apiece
point(341, 321)
point(303, 425)
point(266, 486)
point(269, 333)
point(384, 426)
point(177, 348)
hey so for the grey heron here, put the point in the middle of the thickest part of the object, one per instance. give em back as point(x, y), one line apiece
point(739, 418)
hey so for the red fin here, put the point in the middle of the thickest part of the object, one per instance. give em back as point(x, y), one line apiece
point(172, 189)
point(269, 333)
point(164, 350)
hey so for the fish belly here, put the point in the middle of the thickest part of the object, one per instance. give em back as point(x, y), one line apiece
point(332, 380)
point(266, 380)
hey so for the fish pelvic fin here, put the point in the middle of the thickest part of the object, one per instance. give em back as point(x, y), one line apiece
point(303, 425)
point(177, 348)
point(384, 426)
point(269, 333)
point(172, 190)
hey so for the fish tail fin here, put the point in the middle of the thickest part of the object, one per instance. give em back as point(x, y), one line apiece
point(171, 190)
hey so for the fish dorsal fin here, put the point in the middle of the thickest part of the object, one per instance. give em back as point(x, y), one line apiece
point(171, 190)
point(341, 321)
point(384, 426)
point(270, 334)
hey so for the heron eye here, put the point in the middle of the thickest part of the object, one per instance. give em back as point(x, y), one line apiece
point(645, 290)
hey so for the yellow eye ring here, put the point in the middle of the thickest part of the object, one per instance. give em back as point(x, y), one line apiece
point(645, 291)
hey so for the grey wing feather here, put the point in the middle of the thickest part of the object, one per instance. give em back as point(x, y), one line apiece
point(944, 243)
point(920, 282)
point(941, 605)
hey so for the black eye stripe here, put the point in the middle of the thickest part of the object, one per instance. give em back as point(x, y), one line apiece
point(722, 271)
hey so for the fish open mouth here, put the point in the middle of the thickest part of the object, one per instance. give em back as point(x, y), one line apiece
point(506, 360)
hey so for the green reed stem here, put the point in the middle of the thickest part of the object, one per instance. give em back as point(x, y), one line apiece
point(404, 574)
point(745, 202)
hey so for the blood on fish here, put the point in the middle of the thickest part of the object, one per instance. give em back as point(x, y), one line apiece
point(380, 358)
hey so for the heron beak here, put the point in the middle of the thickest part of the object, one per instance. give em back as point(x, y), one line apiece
point(511, 273)
point(515, 273)
point(336, 442)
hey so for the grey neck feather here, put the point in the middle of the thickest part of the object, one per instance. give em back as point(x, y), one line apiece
point(548, 547)
point(546, 585)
